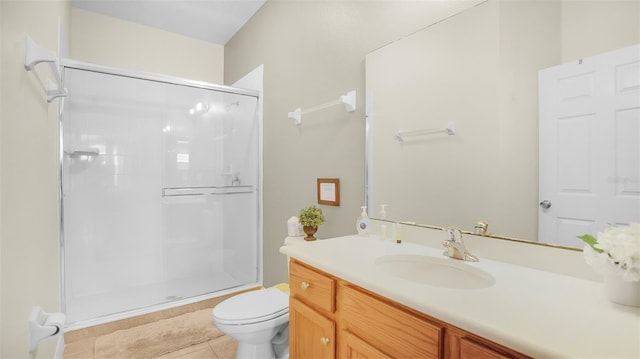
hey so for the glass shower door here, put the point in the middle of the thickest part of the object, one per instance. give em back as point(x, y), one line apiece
point(209, 191)
point(160, 195)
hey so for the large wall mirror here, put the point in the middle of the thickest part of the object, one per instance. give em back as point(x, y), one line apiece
point(522, 114)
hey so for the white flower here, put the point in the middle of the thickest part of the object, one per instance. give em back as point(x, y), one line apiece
point(594, 259)
point(621, 246)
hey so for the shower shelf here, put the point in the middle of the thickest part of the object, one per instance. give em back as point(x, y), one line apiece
point(213, 190)
point(82, 152)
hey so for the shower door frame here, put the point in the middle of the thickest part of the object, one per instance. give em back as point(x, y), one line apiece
point(172, 80)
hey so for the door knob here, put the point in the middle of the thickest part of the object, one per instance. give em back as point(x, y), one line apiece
point(545, 204)
point(324, 341)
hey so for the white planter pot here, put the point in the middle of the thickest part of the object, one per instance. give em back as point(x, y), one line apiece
point(620, 291)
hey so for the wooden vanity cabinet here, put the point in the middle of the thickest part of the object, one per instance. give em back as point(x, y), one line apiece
point(461, 344)
point(312, 326)
point(311, 334)
point(385, 326)
point(470, 349)
point(355, 348)
point(329, 317)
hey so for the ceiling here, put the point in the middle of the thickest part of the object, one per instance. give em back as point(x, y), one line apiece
point(215, 21)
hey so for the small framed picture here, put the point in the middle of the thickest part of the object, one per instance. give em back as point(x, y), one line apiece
point(329, 191)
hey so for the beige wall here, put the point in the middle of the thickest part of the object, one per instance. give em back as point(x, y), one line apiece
point(108, 41)
point(29, 181)
point(592, 27)
point(312, 53)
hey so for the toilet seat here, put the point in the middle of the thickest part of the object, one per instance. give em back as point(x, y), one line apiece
point(252, 307)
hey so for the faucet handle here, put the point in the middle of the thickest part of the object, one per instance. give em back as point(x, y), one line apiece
point(481, 228)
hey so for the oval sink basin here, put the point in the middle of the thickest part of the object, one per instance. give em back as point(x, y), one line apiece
point(438, 272)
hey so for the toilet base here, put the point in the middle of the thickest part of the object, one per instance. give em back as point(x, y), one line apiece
point(251, 351)
point(277, 349)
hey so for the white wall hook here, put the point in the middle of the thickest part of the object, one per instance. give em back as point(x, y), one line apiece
point(35, 54)
point(348, 100)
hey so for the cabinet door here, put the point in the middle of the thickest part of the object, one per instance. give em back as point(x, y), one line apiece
point(311, 335)
point(392, 330)
point(469, 349)
point(355, 348)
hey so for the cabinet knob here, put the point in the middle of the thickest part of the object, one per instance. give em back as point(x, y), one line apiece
point(305, 285)
point(324, 341)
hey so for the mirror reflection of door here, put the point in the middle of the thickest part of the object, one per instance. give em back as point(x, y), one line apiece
point(589, 146)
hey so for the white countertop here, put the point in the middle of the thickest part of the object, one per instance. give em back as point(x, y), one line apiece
point(538, 313)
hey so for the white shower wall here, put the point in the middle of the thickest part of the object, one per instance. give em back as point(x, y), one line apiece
point(144, 220)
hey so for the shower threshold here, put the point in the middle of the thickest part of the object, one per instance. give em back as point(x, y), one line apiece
point(94, 310)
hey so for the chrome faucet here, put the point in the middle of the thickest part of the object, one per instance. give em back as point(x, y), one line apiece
point(482, 228)
point(455, 246)
point(236, 179)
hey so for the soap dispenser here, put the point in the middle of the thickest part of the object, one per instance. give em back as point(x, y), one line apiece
point(383, 211)
point(362, 224)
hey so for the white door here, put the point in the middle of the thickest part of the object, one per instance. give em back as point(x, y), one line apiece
point(589, 146)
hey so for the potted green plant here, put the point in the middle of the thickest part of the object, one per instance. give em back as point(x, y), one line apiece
point(310, 218)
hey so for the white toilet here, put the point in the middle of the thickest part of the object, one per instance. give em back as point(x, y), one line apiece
point(259, 320)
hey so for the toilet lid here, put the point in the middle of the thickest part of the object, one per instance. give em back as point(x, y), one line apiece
point(252, 307)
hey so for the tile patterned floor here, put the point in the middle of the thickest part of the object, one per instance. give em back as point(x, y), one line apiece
point(220, 348)
point(80, 344)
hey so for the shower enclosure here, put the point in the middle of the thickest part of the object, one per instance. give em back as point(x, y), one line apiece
point(160, 192)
